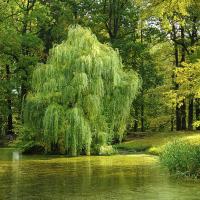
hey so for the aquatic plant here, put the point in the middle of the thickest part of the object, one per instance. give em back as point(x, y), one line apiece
point(81, 97)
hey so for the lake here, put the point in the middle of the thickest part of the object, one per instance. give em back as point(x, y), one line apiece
point(120, 177)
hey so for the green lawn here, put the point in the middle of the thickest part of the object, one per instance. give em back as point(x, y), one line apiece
point(153, 143)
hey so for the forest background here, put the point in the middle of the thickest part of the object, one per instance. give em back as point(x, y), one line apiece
point(158, 39)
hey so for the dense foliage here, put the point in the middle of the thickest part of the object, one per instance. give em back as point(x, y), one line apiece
point(158, 39)
point(182, 158)
point(82, 97)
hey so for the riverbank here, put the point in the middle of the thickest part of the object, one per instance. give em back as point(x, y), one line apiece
point(153, 143)
point(148, 143)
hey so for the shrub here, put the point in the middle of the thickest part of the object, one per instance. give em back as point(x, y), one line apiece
point(33, 148)
point(107, 150)
point(181, 158)
point(155, 150)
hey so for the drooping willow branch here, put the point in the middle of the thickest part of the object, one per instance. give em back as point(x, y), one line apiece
point(82, 97)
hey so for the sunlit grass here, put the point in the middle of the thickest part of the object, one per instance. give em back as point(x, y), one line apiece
point(154, 143)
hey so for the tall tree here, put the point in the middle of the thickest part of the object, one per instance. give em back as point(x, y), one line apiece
point(82, 97)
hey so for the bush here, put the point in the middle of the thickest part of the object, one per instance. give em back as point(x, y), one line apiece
point(155, 150)
point(181, 158)
point(107, 150)
point(27, 142)
point(33, 148)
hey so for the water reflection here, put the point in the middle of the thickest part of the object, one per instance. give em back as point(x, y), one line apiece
point(15, 155)
point(116, 177)
point(15, 175)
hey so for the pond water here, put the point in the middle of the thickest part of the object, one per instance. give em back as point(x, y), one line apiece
point(120, 177)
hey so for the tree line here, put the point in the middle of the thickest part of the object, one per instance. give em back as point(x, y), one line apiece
point(158, 39)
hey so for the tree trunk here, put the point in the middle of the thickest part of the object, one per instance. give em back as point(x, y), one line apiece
point(178, 118)
point(142, 118)
point(178, 109)
point(183, 105)
point(9, 119)
point(142, 90)
point(142, 112)
point(191, 102)
point(183, 116)
point(172, 124)
point(172, 119)
point(176, 62)
point(113, 13)
point(9, 130)
point(197, 106)
point(136, 121)
point(190, 114)
point(29, 6)
point(75, 11)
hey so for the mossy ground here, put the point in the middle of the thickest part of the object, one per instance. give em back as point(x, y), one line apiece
point(153, 143)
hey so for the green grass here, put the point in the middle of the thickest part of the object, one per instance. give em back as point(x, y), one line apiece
point(155, 142)
point(181, 158)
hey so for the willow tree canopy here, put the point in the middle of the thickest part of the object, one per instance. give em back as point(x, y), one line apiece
point(81, 98)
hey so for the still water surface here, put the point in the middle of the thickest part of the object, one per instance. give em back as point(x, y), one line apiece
point(120, 177)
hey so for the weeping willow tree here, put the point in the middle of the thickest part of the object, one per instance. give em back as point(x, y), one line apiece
point(81, 97)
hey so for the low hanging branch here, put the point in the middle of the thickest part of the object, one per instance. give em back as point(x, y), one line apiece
point(81, 98)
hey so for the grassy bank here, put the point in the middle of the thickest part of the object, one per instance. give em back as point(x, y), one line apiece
point(182, 158)
point(153, 143)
